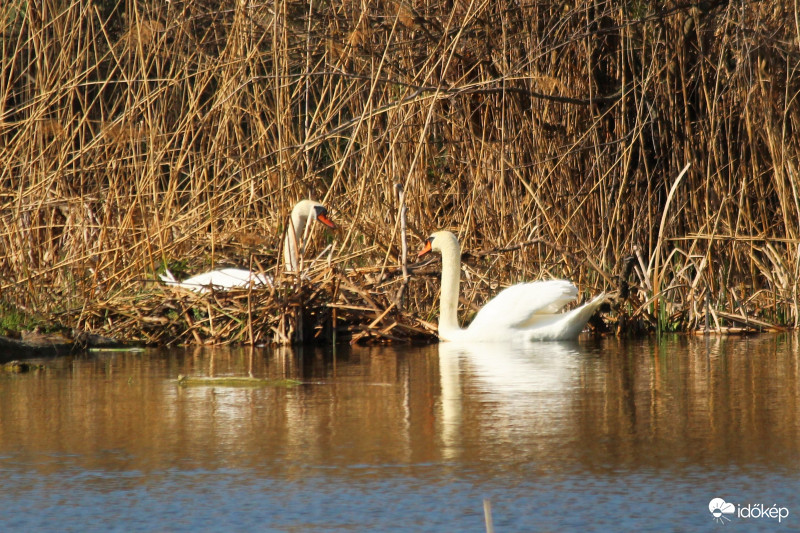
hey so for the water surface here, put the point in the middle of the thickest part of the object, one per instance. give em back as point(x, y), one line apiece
point(584, 436)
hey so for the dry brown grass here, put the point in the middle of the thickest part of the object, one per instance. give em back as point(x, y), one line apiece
point(137, 134)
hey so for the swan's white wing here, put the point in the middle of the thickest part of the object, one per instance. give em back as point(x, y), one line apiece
point(515, 305)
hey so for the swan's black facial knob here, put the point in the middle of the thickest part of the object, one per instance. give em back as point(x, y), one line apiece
point(427, 247)
point(322, 216)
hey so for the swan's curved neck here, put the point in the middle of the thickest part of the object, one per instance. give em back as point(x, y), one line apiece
point(293, 242)
point(451, 279)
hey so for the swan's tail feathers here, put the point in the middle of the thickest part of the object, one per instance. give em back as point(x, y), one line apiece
point(580, 316)
point(569, 325)
point(170, 281)
point(168, 278)
point(598, 300)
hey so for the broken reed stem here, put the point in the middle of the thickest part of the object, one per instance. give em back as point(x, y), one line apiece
point(401, 200)
point(653, 269)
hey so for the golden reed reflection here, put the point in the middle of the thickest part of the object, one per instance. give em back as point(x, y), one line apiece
point(585, 405)
point(721, 400)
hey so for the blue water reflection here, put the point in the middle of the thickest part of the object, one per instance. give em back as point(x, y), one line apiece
point(583, 436)
point(385, 500)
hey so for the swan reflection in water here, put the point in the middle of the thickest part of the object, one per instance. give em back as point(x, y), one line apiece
point(523, 388)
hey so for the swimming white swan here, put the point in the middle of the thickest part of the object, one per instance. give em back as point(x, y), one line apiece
point(522, 312)
point(229, 278)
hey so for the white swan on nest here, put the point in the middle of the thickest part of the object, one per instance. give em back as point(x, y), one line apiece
point(220, 279)
point(522, 312)
point(231, 278)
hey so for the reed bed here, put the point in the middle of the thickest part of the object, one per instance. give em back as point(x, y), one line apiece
point(644, 148)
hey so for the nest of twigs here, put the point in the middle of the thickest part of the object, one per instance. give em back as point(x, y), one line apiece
point(328, 305)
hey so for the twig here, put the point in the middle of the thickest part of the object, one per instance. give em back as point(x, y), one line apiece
point(401, 199)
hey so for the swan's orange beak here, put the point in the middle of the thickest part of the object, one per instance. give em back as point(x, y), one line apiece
point(322, 217)
point(426, 249)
